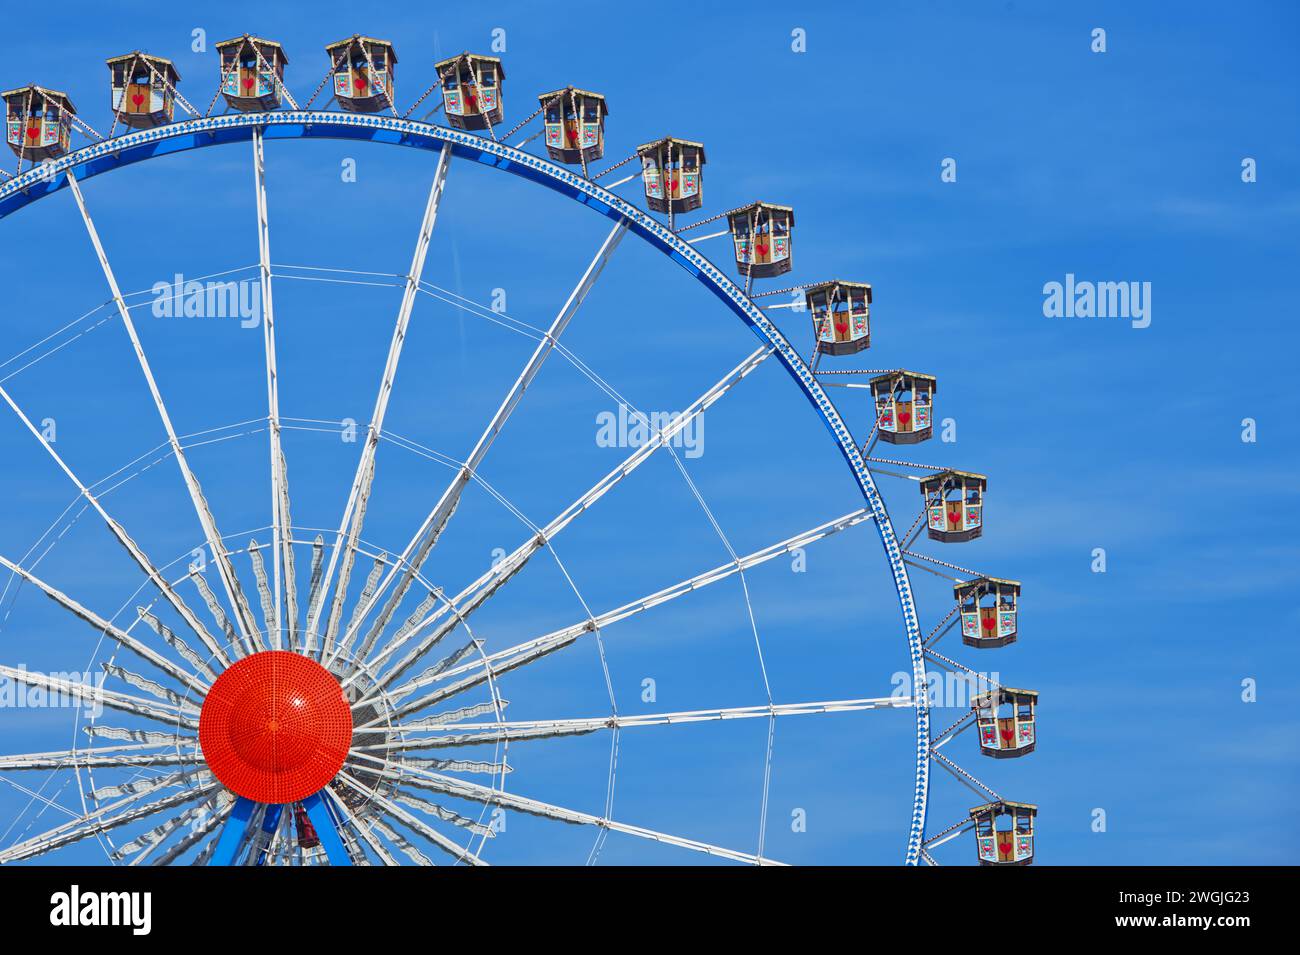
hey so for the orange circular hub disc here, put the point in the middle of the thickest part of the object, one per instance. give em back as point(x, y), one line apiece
point(275, 727)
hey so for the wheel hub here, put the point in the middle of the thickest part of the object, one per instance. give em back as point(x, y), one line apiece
point(275, 727)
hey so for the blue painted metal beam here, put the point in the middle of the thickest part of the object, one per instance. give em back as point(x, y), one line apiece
point(232, 835)
point(326, 829)
point(269, 823)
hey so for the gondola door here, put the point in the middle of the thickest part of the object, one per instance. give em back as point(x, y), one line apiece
point(139, 96)
point(954, 513)
point(840, 321)
point(762, 243)
point(903, 411)
point(1006, 842)
point(572, 123)
point(988, 617)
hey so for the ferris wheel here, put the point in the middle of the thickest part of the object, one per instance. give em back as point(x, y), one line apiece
point(322, 724)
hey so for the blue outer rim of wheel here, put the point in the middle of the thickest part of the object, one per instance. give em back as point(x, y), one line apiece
point(215, 130)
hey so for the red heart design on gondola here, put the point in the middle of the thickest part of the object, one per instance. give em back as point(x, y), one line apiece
point(1007, 735)
point(473, 100)
point(248, 82)
point(954, 516)
point(674, 185)
point(905, 416)
point(573, 135)
point(33, 131)
point(841, 326)
point(1005, 847)
point(762, 250)
point(359, 82)
point(137, 99)
point(989, 623)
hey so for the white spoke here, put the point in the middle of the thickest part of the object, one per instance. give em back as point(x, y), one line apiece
point(359, 496)
point(531, 650)
point(143, 683)
point(417, 551)
point(482, 794)
point(281, 520)
point(148, 841)
point(368, 591)
point(102, 820)
point(483, 588)
point(441, 812)
point(201, 508)
point(479, 766)
point(140, 739)
point(413, 823)
point(474, 733)
point(264, 595)
point(314, 589)
point(368, 837)
point(211, 820)
point(101, 758)
point(143, 786)
point(90, 693)
point(218, 614)
point(118, 531)
point(174, 641)
point(952, 832)
point(103, 626)
point(399, 840)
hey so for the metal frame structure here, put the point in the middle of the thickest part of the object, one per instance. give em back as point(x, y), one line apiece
point(345, 648)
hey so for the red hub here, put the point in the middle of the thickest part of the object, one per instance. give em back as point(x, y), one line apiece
point(275, 727)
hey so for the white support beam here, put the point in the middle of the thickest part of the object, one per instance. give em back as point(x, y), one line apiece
point(545, 729)
point(208, 822)
point(367, 836)
point(358, 497)
point(281, 518)
point(92, 694)
point(477, 593)
point(426, 537)
point(103, 626)
point(105, 819)
point(402, 843)
point(201, 508)
point(523, 653)
point(413, 823)
point(133, 754)
point(118, 531)
point(492, 797)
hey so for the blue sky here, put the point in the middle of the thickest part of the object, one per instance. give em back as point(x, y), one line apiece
point(1117, 166)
